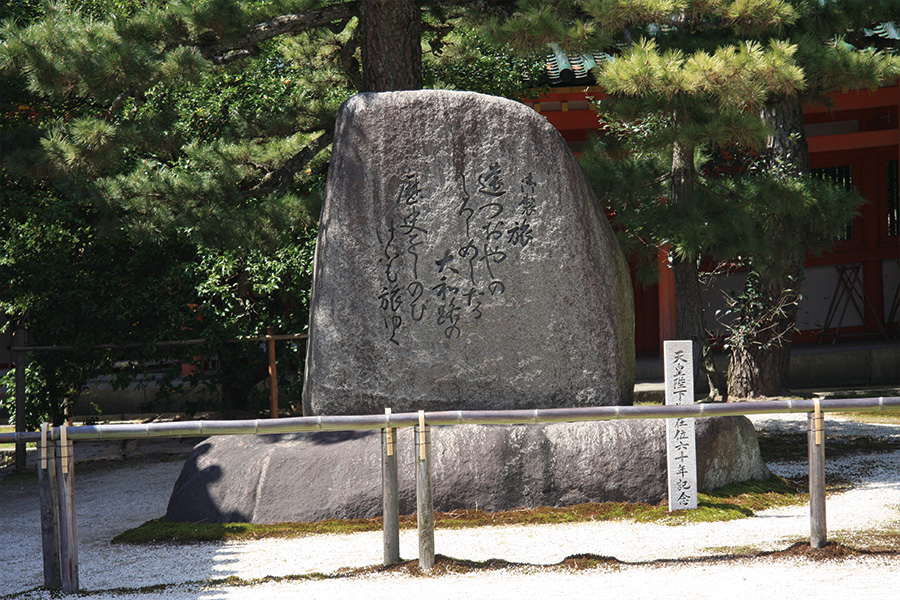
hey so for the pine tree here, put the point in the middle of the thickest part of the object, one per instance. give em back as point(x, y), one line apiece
point(669, 61)
point(759, 364)
point(710, 99)
point(710, 74)
point(174, 154)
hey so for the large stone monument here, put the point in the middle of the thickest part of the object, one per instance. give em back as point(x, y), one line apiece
point(462, 263)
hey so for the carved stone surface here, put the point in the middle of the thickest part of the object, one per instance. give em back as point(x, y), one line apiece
point(462, 264)
point(309, 477)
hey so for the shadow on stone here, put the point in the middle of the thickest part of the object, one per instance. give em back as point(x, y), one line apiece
point(315, 476)
point(204, 475)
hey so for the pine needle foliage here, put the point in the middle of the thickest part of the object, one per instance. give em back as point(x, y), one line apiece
point(690, 82)
point(164, 163)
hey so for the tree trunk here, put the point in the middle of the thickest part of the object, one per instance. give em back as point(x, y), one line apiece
point(787, 145)
point(760, 358)
point(760, 367)
point(391, 45)
point(753, 372)
point(786, 148)
point(690, 324)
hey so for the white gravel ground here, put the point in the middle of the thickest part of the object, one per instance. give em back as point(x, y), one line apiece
point(663, 561)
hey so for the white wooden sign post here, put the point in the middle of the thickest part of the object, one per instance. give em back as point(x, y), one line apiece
point(681, 444)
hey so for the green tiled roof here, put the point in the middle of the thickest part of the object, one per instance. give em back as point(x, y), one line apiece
point(563, 69)
point(570, 69)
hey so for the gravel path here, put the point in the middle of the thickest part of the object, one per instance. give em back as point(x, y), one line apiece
point(663, 561)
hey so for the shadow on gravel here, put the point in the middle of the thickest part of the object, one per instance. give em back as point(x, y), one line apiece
point(445, 565)
point(779, 447)
point(110, 497)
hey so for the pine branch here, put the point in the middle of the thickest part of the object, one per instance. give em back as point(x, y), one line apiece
point(658, 181)
point(137, 94)
point(348, 60)
point(278, 180)
point(285, 24)
point(726, 194)
point(500, 8)
point(326, 16)
point(117, 103)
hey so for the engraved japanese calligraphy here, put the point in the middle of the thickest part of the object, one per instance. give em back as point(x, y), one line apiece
point(446, 283)
point(462, 262)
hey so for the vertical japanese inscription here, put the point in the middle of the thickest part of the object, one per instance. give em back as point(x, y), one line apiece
point(444, 275)
point(401, 296)
point(680, 433)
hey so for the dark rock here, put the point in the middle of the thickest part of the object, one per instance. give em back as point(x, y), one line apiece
point(462, 263)
point(315, 476)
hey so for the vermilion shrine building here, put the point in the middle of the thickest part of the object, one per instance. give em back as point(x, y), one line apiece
point(850, 292)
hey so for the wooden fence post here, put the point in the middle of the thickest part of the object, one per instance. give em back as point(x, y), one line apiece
point(21, 359)
point(816, 441)
point(68, 534)
point(273, 375)
point(424, 497)
point(49, 509)
point(391, 495)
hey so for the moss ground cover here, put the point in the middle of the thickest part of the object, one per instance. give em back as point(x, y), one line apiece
point(731, 502)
